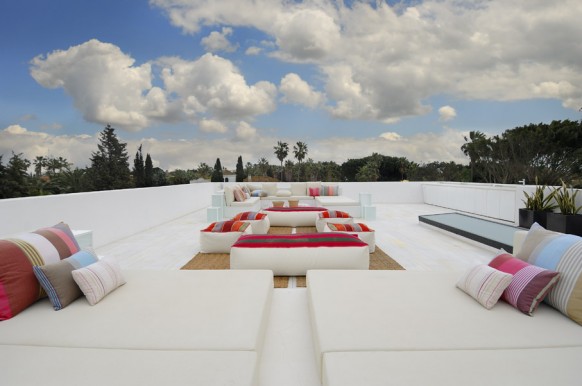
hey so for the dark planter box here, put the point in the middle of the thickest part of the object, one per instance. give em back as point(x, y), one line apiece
point(528, 217)
point(565, 223)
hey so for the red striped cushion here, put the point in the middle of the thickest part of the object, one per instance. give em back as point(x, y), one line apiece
point(309, 240)
point(530, 284)
point(334, 214)
point(357, 227)
point(19, 287)
point(249, 216)
point(227, 226)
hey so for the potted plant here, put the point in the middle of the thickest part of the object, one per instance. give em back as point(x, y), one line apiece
point(537, 207)
point(568, 220)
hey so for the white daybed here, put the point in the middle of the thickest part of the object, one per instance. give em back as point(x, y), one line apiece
point(417, 328)
point(161, 327)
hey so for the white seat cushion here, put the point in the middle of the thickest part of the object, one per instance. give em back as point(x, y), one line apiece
point(56, 366)
point(412, 310)
point(542, 367)
point(156, 310)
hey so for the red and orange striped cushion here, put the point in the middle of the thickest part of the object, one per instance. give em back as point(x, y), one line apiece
point(19, 287)
point(334, 214)
point(249, 216)
point(227, 226)
point(357, 227)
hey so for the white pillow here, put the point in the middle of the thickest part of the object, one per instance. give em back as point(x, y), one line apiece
point(283, 193)
point(270, 188)
point(99, 279)
point(485, 284)
point(299, 189)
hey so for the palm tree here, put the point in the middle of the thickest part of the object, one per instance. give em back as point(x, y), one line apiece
point(281, 151)
point(300, 151)
point(39, 163)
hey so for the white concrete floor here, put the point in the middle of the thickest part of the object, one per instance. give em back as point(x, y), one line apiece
point(288, 355)
point(398, 233)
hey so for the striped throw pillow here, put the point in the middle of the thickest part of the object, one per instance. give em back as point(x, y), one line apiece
point(357, 227)
point(329, 190)
point(19, 287)
point(334, 214)
point(227, 226)
point(249, 216)
point(99, 279)
point(484, 284)
point(239, 194)
point(562, 253)
point(530, 284)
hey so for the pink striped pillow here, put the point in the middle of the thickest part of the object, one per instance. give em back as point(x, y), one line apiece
point(530, 284)
point(239, 195)
point(314, 192)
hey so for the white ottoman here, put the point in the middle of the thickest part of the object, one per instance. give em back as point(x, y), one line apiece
point(294, 255)
point(365, 234)
point(259, 221)
point(334, 216)
point(218, 237)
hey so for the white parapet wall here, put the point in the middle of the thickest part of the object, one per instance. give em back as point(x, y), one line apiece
point(112, 215)
point(390, 192)
point(497, 201)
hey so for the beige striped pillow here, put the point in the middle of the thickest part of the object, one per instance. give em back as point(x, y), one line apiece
point(99, 279)
point(485, 284)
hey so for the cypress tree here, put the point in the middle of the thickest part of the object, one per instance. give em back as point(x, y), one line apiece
point(149, 171)
point(138, 169)
point(217, 175)
point(240, 171)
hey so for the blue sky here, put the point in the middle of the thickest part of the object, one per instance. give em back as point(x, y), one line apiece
point(200, 79)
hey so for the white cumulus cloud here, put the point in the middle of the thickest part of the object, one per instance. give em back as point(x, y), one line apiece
point(212, 126)
point(446, 113)
point(104, 83)
point(244, 131)
point(296, 90)
point(218, 41)
point(215, 85)
point(382, 62)
point(389, 136)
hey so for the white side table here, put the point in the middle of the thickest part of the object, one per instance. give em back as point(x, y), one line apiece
point(84, 238)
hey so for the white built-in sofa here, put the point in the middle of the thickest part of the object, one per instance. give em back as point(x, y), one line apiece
point(297, 191)
point(160, 328)
point(378, 328)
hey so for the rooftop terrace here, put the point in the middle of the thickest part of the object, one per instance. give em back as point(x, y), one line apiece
point(157, 229)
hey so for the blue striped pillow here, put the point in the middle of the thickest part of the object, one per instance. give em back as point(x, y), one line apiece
point(57, 279)
point(562, 253)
